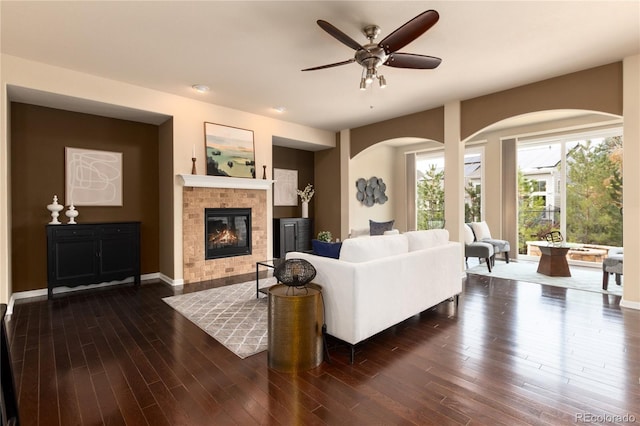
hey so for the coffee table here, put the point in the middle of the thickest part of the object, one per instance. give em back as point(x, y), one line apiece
point(553, 261)
point(271, 264)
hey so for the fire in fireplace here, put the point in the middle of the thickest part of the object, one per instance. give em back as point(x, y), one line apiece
point(227, 232)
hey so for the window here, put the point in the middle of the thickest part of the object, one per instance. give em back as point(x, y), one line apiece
point(430, 189)
point(584, 201)
point(473, 175)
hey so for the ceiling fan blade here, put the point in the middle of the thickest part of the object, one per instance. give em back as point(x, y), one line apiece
point(330, 65)
point(339, 35)
point(411, 60)
point(409, 31)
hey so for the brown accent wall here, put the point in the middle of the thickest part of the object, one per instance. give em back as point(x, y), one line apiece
point(303, 162)
point(195, 200)
point(426, 124)
point(595, 89)
point(328, 198)
point(39, 136)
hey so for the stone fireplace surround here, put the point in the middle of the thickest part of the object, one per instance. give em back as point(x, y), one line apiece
point(200, 192)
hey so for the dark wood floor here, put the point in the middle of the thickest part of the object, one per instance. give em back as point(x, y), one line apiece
point(510, 353)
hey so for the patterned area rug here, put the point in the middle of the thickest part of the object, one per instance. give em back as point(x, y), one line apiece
point(232, 315)
point(582, 278)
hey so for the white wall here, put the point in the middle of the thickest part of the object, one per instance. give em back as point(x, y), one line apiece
point(188, 118)
point(374, 161)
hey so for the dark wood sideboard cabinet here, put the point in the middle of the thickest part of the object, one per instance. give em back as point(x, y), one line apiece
point(291, 234)
point(92, 253)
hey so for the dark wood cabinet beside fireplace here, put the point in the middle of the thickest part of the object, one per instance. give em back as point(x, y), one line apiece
point(291, 234)
point(92, 253)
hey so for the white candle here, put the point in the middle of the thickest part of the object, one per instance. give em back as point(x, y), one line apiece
point(193, 152)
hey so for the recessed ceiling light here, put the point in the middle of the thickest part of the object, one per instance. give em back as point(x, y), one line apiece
point(280, 109)
point(201, 88)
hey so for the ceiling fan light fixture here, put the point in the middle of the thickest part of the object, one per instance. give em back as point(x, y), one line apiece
point(363, 84)
point(371, 75)
point(382, 81)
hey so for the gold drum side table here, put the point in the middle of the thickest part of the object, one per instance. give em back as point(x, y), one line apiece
point(295, 327)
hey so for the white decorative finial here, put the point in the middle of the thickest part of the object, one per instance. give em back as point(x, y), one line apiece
point(55, 208)
point(72, 213)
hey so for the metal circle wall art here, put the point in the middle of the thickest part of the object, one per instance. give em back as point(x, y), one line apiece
point(371, 191)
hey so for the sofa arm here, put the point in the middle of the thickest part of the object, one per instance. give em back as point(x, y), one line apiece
point(337, 279)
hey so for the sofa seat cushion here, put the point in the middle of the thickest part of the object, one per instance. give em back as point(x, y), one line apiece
point(363, 249)
point(420, 240)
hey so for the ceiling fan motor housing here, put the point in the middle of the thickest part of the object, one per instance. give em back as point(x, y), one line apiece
point(371, 56)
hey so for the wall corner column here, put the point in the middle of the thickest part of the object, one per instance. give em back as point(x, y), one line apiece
point(345, 178)
point(453, 172)
point(631, 174)
point(5, 206)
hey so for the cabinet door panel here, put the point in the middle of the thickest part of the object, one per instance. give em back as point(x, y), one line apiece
point(76, 260)
point(303, 242)
point(289, 231)
point(116, 256)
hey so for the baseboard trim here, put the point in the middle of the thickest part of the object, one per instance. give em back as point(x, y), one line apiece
point(42, 292)
point(629, 304)
point(170, 281)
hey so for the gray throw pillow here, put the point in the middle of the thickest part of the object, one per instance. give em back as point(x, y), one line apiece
point(379, 228)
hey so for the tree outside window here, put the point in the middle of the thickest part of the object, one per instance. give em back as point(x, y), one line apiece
point(430, 199)
point(594, 192)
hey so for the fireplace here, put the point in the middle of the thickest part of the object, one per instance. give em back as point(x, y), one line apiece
point(227, 232)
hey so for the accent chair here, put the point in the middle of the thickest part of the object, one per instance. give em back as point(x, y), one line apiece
point(483, 234)
point(479, 249)
point(612, 264)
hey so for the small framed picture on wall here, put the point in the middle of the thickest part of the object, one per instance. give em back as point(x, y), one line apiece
point(285, 187)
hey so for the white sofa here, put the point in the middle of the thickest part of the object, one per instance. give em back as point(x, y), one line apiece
point(379, 281)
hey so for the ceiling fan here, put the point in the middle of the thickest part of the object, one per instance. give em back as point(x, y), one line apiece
point(371, 56)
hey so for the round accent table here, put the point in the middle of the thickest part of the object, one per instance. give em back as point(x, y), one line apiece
point(295, 327)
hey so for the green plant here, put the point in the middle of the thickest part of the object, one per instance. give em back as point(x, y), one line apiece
point(324, 236)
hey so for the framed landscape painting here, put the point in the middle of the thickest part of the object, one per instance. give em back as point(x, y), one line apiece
point(229, 151)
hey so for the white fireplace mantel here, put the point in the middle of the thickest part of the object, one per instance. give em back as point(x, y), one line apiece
point(205, 181)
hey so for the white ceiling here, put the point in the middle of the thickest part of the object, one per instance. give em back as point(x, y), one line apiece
point(251, 53)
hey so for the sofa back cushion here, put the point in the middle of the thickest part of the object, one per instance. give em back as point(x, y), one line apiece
point(363, 249)
point(420, 240)
point(359, 232)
